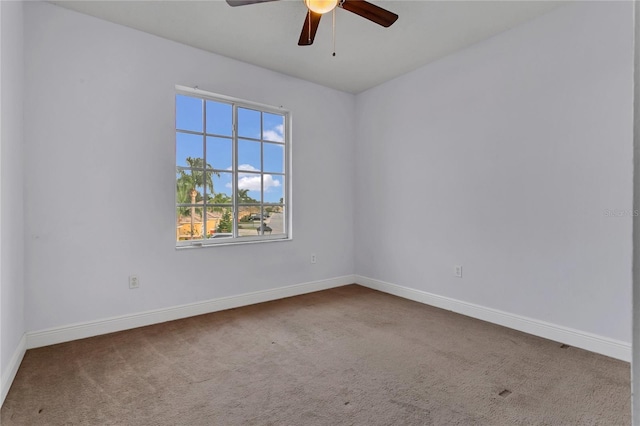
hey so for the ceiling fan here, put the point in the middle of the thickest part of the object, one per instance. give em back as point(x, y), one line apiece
point(316, 8)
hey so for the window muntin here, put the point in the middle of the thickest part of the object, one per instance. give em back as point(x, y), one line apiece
point(231, 170)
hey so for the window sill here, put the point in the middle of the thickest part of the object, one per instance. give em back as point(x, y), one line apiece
point(201, 245)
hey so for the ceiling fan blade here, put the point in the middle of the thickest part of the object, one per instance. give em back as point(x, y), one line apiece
point(245, 2)
point(309, 29)
point(370, 11)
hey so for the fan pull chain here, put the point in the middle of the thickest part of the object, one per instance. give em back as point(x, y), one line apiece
point(309, 32)
point(334, 31)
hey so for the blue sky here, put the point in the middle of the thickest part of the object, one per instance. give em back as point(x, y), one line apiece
point(189, 116)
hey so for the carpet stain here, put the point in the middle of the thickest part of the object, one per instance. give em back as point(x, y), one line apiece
point(410, 407)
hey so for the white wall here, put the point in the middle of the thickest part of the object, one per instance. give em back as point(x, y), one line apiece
point(11, 187)
point(99, 193)
point(504, 158)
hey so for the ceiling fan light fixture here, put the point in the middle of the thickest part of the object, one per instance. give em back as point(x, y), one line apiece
point(321, 6)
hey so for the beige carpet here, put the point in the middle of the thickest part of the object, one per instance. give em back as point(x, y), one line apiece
point(347, 356)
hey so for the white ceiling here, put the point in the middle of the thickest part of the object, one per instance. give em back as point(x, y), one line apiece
point(367, 54)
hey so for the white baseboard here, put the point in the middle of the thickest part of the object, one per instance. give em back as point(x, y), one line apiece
point(12, 369)
point(109, 325)
point(591, 342)
point(609, 347)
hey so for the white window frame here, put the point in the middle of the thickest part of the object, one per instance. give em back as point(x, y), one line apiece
point(286, 175)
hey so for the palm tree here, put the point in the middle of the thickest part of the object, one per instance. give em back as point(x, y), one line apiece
point(219, 198)
point(187, 182)
point(243, 197)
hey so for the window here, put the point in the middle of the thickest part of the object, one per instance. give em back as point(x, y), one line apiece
point(232, 174)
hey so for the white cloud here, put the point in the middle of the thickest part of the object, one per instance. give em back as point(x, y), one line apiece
point(276, 134)
point(252, 182)
point(247, 167)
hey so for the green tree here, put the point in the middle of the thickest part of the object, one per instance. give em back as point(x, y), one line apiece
point(219, 198)
point(225, 223)
point(187, 183)
point(244, 198)
point(194, 176)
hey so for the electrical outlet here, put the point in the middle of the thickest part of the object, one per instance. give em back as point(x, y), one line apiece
point(313, 258)
point(457, 271)
point(134, 282)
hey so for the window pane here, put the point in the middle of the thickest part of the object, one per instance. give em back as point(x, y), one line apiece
point(274, 219)
point(248, 123)
point(248, 155)
point(188, 113)
point(222, 191)
point(249, 188)
point(249, 221)
point(219, 118)
point(273, 157)
point(187, 146)
point(214, 215)
point(273, 188)
point(265, 228)
point(220, 222)
point(273, 129)
point(194, 163)
point(186, 181)
point(189, 224)
point(183, 222)
point(219, 153)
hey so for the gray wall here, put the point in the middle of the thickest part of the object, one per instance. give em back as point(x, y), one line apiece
point(12, 184)
point(99, 191)
point(512, 158)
